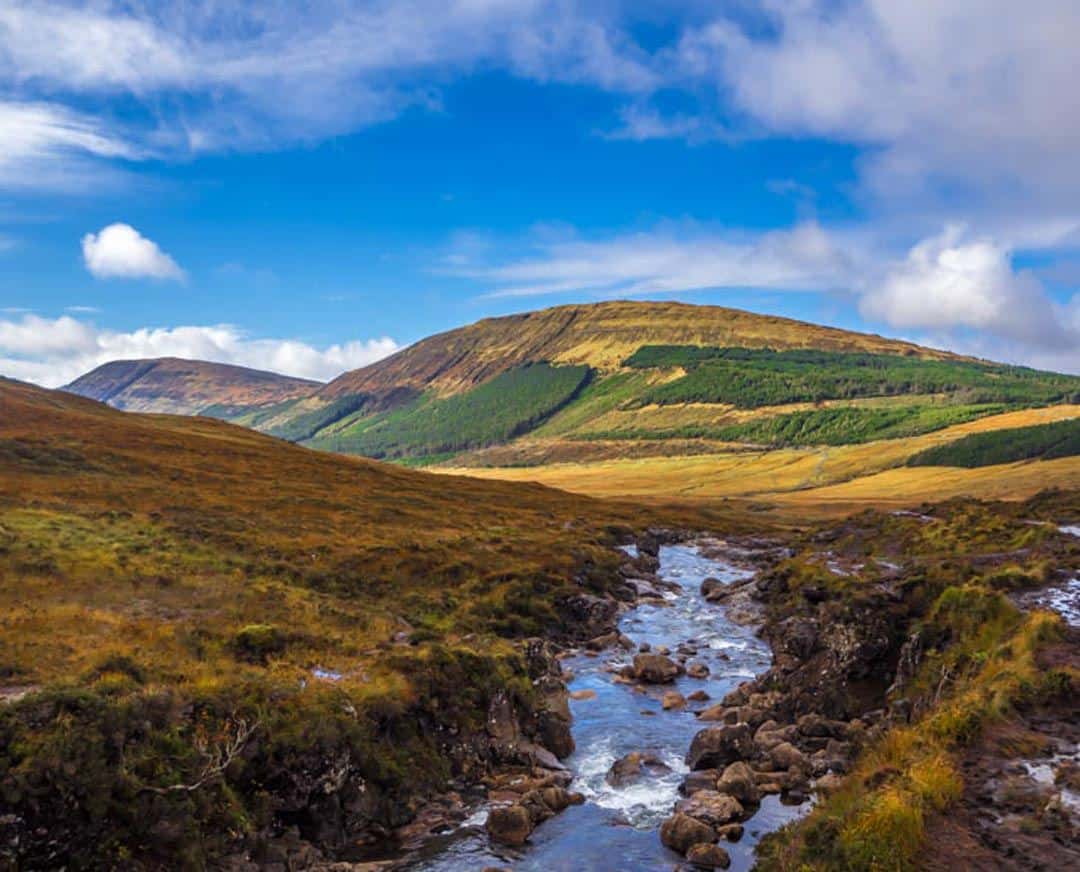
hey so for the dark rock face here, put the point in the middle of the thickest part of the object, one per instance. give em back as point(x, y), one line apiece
point(716, 747)
point(595, 615)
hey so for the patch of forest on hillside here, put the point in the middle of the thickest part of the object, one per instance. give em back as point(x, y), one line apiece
point(842, 426)
point(507, 406)
point(749, 378)
point(1039, 442)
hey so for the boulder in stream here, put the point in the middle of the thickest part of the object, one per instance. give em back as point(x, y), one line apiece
point(656, 669)
point(703, 856)
point(673, 700)
point(628, 769)
point(697, 669)
point(681, 832)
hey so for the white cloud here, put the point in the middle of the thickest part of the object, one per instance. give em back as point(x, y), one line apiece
point(120, 251)
point(956, 280)
point(804, 257)
point(48, 146)
point(259, 74)
point(975, 98)
point(954, 289)
point(55, 351)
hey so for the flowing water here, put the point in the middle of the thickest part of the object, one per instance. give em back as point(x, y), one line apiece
point(616, 828)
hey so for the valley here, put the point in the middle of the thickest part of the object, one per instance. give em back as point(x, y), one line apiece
point(681, 402)
point(707, 586)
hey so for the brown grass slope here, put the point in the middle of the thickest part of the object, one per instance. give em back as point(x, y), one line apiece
point(169, 589)
point(601, 335)
point(185, 387)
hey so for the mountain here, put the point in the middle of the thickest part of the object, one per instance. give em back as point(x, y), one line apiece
point(187, 387)
point(625, 379)
point(599, 335)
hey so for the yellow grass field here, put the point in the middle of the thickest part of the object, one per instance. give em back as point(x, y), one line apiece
point(849, 475)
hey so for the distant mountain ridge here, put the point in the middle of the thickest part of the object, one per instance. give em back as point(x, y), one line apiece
point(187, 387)
point(613, 379)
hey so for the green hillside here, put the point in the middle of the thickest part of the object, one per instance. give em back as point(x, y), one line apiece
point(590, 381)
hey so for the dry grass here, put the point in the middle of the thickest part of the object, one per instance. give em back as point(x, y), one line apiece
point(847, 475)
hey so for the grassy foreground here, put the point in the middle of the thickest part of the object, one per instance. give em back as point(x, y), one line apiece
point(973, 662)
point(203, 630)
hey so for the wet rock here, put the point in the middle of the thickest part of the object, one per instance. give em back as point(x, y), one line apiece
point(673, 700)
point(698, 696)
point(703, 856)
point(644, 647)
point(787, 756)
point(711, 586)
point(769, 735)
point(718, 713)
point(628, 769)
point(738, 781)
point(716, 747)
point(712, 807)
point(731, 832)
point(540, 756)
point(793, 797)
point(553, 730)
point(697, 669)
point(655, 668)
point(509, 825)
point(559, 798)
point(583, 695)
point(681, 832)
point(704, 779)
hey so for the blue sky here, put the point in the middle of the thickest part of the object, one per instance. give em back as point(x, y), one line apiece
point(308, 192)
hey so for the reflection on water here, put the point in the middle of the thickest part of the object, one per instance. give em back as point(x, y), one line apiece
point(616, 827)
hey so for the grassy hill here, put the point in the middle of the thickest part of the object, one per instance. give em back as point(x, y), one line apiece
point(188, 387)
point(653, 382)
point(658, 372)
point(200, 625)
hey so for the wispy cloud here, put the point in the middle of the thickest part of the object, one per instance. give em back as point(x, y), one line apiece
point(55, 351)
point(259, 75)
point(958, 287)
point(46, 145)
point(666, 261)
